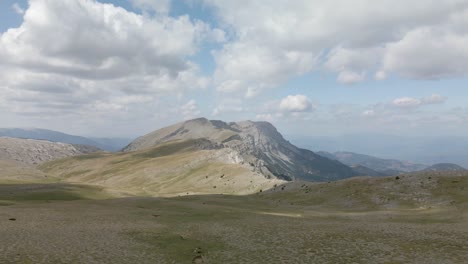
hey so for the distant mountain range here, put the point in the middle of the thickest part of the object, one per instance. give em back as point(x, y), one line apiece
point(108, 144)
point(247, 145)
point(383, 166)
point(445, 167)
point(421, 149)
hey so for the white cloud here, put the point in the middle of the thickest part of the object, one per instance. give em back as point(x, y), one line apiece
point(250, 69)
point(73, 56)
point(421, 39)
point(352, 64)
point(380, 75)
point(348, 77)
point(409, 102)
point(17, 8)
point(296, 103)
point(406, 102)
point(429, 53)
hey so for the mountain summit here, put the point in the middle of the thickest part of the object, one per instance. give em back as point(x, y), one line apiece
point(257, 144)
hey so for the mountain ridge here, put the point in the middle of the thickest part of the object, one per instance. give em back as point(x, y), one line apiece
point(108, 144)
point(256, 143)
point(385, 166)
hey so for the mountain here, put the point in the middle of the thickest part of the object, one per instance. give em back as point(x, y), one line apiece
point(445, 167)
point(178, 167)
point(365, 171)
point(108, 144)
point(111, 144)
point(257, 144)
point(31, 151)
point(384, 166)
point(424, 149)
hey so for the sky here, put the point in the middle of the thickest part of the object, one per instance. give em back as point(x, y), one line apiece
point(122, 68)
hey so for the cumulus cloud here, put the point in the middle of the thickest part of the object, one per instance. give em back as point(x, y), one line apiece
point(421, 39)
point(74, 56)
point(250, 69)
point(296, 103)
point(429, 53)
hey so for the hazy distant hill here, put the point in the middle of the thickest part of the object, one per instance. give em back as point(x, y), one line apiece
point(365, 171)
point(256, 143)
point(384, 166)
point(420, 149)
point(112, 144)
point(109, 144)
point(445, 167)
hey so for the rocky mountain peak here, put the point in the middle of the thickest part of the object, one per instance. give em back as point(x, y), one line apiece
point(258, 144)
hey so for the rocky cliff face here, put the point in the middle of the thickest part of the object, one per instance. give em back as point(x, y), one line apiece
point(257, 144)
point(30, 151)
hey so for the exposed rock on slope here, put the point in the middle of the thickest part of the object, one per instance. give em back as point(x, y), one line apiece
point(30, 151)
point(255, 143)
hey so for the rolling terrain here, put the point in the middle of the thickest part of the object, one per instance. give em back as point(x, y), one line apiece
point(420, 218)
point(174, 168)
point(202, 192)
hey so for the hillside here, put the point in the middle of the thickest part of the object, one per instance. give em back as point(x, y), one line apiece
point(365, 171)
point(174, 168)
point(385, 166)
point(108, 144)
point(422, 190)
point(258, 144)
point(30, 151)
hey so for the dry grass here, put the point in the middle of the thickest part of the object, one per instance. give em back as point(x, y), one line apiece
point(414, 219)
point(171, 169)
point(224, 229)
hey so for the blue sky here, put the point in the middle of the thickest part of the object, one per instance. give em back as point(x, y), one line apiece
point(309, 67)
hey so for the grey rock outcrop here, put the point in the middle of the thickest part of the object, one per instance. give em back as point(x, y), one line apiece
point(31, 151)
